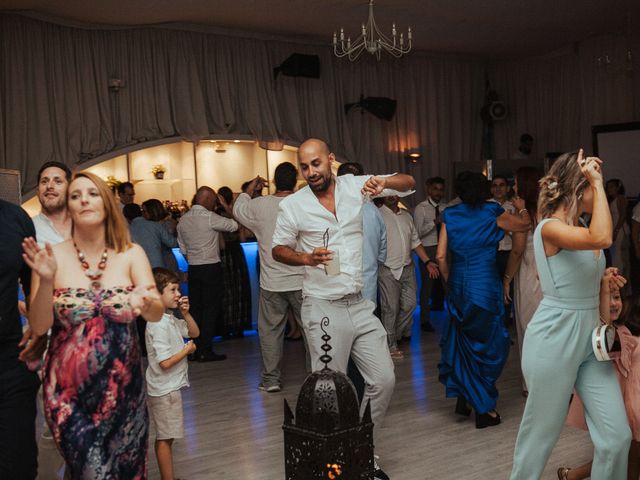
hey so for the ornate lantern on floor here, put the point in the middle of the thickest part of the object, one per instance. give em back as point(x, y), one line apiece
point(328, 440)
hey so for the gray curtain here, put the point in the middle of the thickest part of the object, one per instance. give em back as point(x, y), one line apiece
point(55, 102)
point(559, 97)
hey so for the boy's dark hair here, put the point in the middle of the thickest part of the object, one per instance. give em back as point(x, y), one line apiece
point(164, 277)
point(60, 165)
point(285, 177)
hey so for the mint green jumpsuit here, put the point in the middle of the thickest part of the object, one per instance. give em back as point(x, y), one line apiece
point(557, 357)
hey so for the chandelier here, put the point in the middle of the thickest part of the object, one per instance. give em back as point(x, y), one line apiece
point(372, 40)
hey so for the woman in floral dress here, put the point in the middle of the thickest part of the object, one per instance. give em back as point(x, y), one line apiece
point(89, 290)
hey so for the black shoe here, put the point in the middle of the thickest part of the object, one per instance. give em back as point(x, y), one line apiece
point(485, 420)
point(378, 474)
point(427, 327)
point(210, 357)
point(462, 407)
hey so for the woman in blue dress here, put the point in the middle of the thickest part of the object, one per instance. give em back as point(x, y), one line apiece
point(557, 354)
point(475, 343)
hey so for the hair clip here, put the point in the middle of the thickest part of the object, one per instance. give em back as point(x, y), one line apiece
point(552, 185)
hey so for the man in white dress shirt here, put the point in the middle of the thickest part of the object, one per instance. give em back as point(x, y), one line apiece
point(427, 221)
point(280, 284)
point(198, 239)
point(53, 223)
point(320, 227)
point(499, 191)
point(397, 276)
point(126, 194)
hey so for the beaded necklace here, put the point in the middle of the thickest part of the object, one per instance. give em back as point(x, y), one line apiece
point(94, 275)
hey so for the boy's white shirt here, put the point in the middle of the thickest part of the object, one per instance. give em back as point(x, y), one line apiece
point(164, 339)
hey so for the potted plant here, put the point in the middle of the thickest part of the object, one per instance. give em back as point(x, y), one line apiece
point(158, 171)
point(113, 182)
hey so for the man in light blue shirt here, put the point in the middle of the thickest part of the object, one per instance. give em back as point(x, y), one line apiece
point(374, 252)
point(374, 239)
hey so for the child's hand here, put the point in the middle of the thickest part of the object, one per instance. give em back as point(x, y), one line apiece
point(190, 347)
point(183, 303)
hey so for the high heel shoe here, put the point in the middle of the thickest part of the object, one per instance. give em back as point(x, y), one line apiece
point(462, 407)
point(485, 420)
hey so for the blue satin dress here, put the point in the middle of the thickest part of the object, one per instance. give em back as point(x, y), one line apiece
point(475, 343)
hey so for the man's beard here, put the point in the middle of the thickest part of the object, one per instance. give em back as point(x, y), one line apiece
point(322, 187)
point(55, 206)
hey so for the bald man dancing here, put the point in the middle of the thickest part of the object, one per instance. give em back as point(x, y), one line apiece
point(324, 220)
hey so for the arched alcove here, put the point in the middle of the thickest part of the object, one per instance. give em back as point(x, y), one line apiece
point(215, 162)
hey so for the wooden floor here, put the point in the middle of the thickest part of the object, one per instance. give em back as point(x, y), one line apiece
point(233, 431)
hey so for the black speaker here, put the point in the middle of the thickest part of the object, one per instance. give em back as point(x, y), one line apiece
point(299, 65)
point(381, 107)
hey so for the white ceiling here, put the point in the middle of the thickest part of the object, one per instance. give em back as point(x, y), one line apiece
point(492, 28)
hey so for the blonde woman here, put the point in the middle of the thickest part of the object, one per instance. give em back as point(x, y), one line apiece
point(557, 355)
point(89, 290)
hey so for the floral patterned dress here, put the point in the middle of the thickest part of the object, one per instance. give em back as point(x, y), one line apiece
point(94, 386)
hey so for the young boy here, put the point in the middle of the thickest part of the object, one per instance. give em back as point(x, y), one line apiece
point(167, 370)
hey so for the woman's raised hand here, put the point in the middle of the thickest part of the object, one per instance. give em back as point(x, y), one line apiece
point(591, 167)
point(613, 279)
point(41, 260)
point(142, 297)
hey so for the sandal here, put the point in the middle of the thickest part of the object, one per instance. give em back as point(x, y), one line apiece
point(563, 473)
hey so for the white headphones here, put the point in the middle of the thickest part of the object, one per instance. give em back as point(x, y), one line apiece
point(603, 338)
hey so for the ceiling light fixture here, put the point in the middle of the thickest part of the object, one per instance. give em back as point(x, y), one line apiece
point(372, 40)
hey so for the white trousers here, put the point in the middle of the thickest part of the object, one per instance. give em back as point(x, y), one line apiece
point(354, 331)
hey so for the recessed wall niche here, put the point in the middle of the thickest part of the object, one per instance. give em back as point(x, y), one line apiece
point(215, 163)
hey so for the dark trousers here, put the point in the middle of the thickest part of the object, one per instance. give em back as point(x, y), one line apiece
point(431, 289)
point(502, 257)
point(205, 299)
point(18, 448)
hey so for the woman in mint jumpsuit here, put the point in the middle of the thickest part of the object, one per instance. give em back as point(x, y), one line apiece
point(557, 355)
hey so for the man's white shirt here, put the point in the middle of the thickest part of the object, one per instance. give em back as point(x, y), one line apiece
point(45, 231)
point(402, 238)
point(506, 243)
point(259, 215)
point(198, 231)
point(424, 219)
point(302, 222)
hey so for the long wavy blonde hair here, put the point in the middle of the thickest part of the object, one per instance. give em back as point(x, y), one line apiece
point(562, 186)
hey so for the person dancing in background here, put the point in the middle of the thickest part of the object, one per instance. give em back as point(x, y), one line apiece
point(618, 207)
point(628, 369)
point(475, 343)
point(557, 353)
point(521, 265)
point(93, 382)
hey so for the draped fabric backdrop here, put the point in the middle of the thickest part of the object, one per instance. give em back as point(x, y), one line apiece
point(55, 102)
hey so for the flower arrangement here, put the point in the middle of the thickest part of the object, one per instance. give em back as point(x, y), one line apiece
point(113, 182)
point(158, 171)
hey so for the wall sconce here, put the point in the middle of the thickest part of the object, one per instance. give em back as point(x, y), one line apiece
point(115, 84)
point(413, 155)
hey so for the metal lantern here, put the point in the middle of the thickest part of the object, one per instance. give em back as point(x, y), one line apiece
point(328, 440)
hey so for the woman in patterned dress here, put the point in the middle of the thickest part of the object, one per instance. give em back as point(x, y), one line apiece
point(89, 290)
